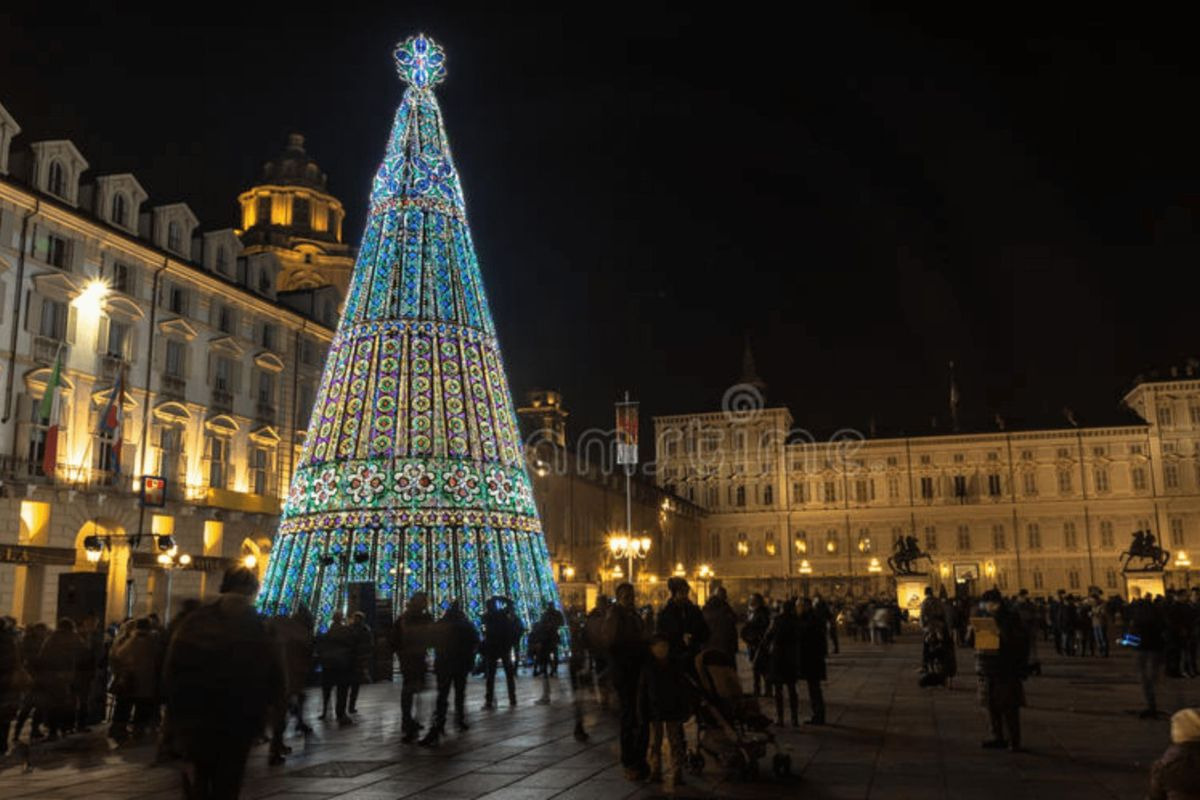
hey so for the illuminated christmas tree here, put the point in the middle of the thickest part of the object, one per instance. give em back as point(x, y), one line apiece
point(413, 474)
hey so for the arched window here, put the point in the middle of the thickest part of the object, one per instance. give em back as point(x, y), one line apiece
point(56, 179)
point(174, 237)
point(120, 209)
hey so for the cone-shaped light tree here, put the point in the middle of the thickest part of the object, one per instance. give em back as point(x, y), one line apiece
point(413, 474)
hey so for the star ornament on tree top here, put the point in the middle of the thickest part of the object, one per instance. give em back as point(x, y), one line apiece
point(420, 61)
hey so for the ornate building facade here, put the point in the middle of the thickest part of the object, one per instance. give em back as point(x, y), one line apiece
point(220, 336)
point(1037, 509)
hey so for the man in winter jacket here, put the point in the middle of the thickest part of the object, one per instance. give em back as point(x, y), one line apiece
point(1001, 672)
point(683, 625)
point(134, 662)
point(624, 638)
point(222, 673)
point(335, 650)
point(455, 641)
point(501, 633)
point(721, 620)
point(410, 642)
point(752, 634)
point(56, 669)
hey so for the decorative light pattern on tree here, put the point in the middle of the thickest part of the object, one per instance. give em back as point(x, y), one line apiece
point(413, 474)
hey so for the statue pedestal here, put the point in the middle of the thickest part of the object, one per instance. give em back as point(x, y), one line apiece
point(1143, 584)
point(910, 591)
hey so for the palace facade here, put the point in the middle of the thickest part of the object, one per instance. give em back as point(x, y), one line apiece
point(1037, 509)
point(220, 335)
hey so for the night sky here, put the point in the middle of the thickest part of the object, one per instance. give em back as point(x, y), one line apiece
point(867, 195)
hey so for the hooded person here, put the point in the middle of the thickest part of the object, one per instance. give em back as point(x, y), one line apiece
point(1176, 775)
point(721, 620)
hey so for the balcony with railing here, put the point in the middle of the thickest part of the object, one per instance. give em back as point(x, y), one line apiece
point(172, 387)
point(47, 348)
point(110, 367)
point(222, 399)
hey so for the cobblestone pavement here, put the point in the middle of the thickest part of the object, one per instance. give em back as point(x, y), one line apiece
point(887, 738)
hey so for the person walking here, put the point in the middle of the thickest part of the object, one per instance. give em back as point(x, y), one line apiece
point(1000, 672)
point(455, 641)
point(410, 641)
point(362, 654)
point(501, 633)
point(782, 643)
point(32, 703)
point(1146, 624)
point(752, 634)
point(813, 652)
point(577, 667)
point(335, 651)
point(296, 641)
point(543, 644)
point(663, 706)
point(721, 620)
point(222, 672)
point(57, 663)
point(625, 640)
point(134, 659)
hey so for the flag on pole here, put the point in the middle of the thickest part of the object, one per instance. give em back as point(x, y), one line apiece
point(953, 399)
point(111, 422)
point(48, 411)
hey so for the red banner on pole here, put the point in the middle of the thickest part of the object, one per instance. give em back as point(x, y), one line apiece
point(627, 432)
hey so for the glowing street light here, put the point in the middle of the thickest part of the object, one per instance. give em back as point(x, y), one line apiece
point(92, 297)
point(628, 548)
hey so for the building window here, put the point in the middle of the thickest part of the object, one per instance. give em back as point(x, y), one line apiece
point(964, 538)
point(1135, 449)
point(926, 460)
point(1194, 413)
point(1110, 578)
point(266, 388)
point(175, 353)
point(830, 492)
point(831, 541)
point(739, 496)
point(221, 262)
point(268, 337)
point(1106, 534)
point(1073, 578)
point(864, 540)
point(170, 461)
point(53, 324)
point(714, 496)
point(1064, 481)
point(893, 487)
point(1171, 476)
point(743, 546)
point(177, 299)
point(304, 403)
point(1038, 581)
point(300, 212)
point(1139, 479)
point(264, 210)
point(1101, 476)
point(862, 490)
point(930, 538)
point(798, 493)
point(218, 462)
point(800, 542)
point(1177, 532)
point(1034, 534)
point(118, 340)
point(1070, 537)
point(994, 487)
point(123, 277)
point(1165, 417)
point(768, 495)
point(927, 488)
point(1064, 454)
point(56, 179)
point(223, 374)
point(225, 319)
point(57, 252)
point(769, 545)
point(264, 281)
point(260, 470)
point(999, 540)
point(1027, 455)
point(960, 486)
point(120, 209)
point(174, 236)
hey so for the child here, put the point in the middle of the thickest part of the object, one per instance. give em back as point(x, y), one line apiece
point(663, 702)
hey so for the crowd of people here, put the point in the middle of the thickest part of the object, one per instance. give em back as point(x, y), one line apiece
point(220, 677)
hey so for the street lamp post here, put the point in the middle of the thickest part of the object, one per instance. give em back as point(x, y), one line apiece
point(629, 548)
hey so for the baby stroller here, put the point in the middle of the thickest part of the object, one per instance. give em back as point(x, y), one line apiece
point(730, 728)
point(941, 662)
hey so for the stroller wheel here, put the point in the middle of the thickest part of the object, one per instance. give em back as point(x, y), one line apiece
point(695, 762)
point(781, 765)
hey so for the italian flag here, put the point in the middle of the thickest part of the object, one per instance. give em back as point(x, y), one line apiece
point(49, 411)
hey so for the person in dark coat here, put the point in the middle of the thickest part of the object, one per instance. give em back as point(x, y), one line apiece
point(782, 647)
point(1001, 672)
point(829, 617)
point(1147, 624)
point(91, 653)
point(135, 686)
point(31, 701)
point(721, 620)
point(410, 642)
point(501, 633)
point(576, 668)
point(363, 652)
point(296, 642)
point(455, 641)
point(683, 625)
point(1176, 775)
point(57, 663)
point(335, 651)
point(222, 672)
point(752, 634)
point(813, 652)
point(663, 705)
point(624, 639)
point(12, 674)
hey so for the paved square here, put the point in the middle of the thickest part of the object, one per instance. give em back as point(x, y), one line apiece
point(887, 739)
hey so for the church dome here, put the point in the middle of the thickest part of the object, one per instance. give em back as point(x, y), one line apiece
point(294, 167)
